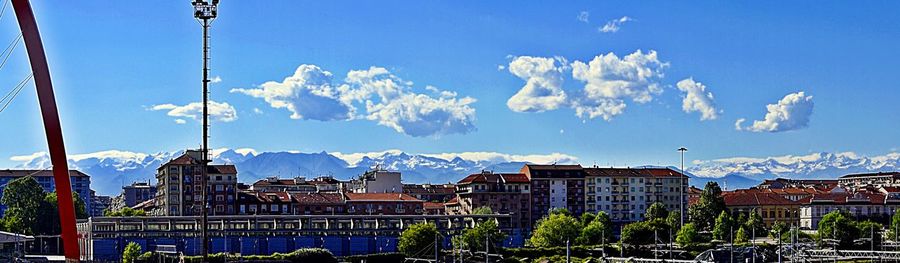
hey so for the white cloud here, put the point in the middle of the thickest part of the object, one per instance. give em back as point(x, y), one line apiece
point(257, 111)
point(697, 99)
point(501, 67)
point(307, 94)
point(584, 16)
point(215, 79)
point(609, 80)
point(386, 99)
point(543, 87)
point(222, 112)
point(180, 121)
point(391, 102)
point(790, 113)
point(614, 25)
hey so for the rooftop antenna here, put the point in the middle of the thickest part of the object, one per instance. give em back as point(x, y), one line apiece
point(205, 12)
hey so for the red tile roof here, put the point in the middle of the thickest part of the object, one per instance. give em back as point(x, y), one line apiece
point(318, 198)
point(487, 177)
point(222, 169)
point(433, 205)
point(380, 197)
point(755, 199)
point(453, 201)
point(632, 172)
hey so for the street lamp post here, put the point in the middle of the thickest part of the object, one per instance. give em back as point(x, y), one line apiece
point(681, 185)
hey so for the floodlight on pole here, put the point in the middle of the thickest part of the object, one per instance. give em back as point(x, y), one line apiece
point(205, 12)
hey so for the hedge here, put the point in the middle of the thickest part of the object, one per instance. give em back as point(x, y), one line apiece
point(317, 255)
point(376, 258)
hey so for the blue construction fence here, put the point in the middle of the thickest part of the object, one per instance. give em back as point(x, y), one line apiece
point(112, 248)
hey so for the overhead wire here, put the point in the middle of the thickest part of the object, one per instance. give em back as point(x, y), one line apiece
point(9, 49)
point(9, 97)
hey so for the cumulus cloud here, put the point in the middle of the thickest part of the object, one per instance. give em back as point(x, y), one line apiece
point(543, 84)
point(610, 80)
point(307, 94)
point(218, 111)
point(370, 94)
point(215, 79)
point(790, 113)
point(390, 101)
point(584, 16)
point(180, 121)
point(697, 99)
point(614, 25)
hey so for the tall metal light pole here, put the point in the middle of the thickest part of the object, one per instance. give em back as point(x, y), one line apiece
point(681, 186)
point(205, 12)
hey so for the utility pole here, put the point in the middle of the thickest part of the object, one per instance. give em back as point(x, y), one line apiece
point(681, 186)
point(487, 241)
point(205, 12)
point(567, 251)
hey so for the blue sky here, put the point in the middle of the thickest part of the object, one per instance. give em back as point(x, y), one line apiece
point(113, 62)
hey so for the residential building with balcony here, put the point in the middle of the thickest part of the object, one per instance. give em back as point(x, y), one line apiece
point(626, 193)
point(555, 186)
point(318, 204)
point(180, 188)
point(504, 193)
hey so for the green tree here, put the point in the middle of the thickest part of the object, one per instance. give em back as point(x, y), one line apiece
point(587, 218)
point(80, 211)
point(688, 235)
point(24, 199)
point(484, 210)
point(656, 211)
point(838, 226)
point(710, 204)
point(741, 237)
point(131, 253)
point(555, 230)
point(723, 228)
point(126, 212)
point(870, 229)
point(674, 220)
point(595, 233)
point(418, 240)
point(778, 229)
point(755, 223)
point(637, 233)
point(473, 239)
point(895, 226)
point(560, 210)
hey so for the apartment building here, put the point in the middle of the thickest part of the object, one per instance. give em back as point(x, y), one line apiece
point(137, 193)
point(180, 189)
point(870, 179)
point(504, 193)
point(376, 181)
point(626, 193)
point(555, 186)
point(81, 183)
point(297, 184)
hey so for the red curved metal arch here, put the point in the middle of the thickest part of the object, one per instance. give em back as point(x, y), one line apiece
point(52, 127)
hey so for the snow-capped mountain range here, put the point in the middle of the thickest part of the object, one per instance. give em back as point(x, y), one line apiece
point(112, 169)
